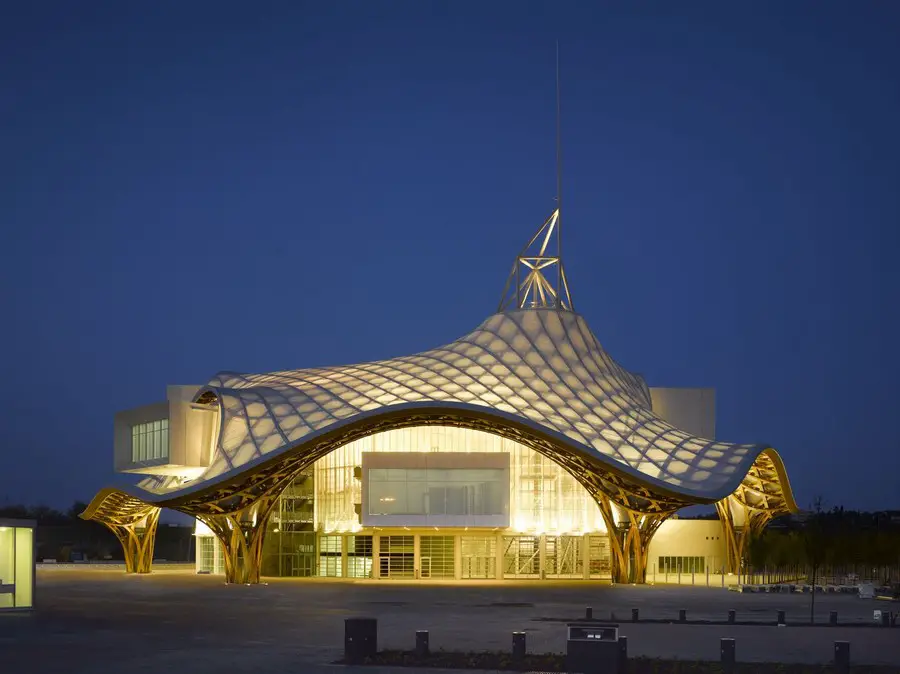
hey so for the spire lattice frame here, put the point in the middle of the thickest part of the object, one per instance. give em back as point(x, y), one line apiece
point(538, 278)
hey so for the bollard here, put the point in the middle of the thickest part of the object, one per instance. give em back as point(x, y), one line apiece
point(832, 618)
point(781, 618)
point(635, 616)
point(885, 618)
point(727, 655)
point(588, 613)
point(682, 615)
point(623, 655)
point(731, 615)
point(842, 657)
point(360, 638)
point(518, 650)
point(421, 643)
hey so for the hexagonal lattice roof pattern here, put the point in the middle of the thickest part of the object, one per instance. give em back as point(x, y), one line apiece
point(542, 366)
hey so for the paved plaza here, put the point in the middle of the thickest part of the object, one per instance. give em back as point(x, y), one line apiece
point(96, 621)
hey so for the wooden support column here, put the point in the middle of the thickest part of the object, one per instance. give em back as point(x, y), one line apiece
point(241, 534)
point(641, 528)
point(618, 563)
point(137, 541)
point(734, 536)
point(629, 540)
point(737, 537)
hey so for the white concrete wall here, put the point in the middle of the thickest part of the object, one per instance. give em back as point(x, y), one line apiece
point(192, 428)
point(689, 409)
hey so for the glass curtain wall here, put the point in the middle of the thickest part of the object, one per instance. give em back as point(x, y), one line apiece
point(564, 556)
point(359, 557)
point(397, 556)
point(436, 557)
point(479, 556)
point(522, 556)
point(544, 498)
point(289, 548)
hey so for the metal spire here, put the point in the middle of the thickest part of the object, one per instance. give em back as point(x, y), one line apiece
point(558, 162)
point(535, 291)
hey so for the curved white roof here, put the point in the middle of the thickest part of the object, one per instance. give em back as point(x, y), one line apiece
point(542, 366)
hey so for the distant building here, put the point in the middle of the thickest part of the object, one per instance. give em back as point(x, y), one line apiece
point(522, 450)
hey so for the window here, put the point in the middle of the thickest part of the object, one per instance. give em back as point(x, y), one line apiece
point(479, 556)
point(397, 556)
point(359, 556)
point(437, 491)
point(522, 556)
point(330, 556)
point(206, 553)
point(150, 441)
point(436, 558)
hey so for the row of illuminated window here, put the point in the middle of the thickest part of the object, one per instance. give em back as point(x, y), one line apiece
point(681, 565)
point(150, 440)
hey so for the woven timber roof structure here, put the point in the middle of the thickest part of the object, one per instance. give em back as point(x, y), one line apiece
point(533, 372)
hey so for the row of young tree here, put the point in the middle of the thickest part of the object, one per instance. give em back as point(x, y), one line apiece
point(44, 515)
point(835, 546)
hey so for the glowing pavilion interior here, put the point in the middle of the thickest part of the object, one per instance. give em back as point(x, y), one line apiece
point(523, 426)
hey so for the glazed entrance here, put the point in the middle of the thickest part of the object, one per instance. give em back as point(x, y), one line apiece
point(432, 503)
point(410, 556)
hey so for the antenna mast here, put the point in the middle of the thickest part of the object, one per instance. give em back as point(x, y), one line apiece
point(558, 163)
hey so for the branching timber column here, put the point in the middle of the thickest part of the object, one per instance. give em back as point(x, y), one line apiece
point(137, 541)
point(242, 533)
point(629, 540)
point(618, 560)
point(132, 521)
point(737, 537)
point(637, 533)
point(733, 538)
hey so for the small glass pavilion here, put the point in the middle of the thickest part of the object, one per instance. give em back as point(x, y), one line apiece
point(16, 564)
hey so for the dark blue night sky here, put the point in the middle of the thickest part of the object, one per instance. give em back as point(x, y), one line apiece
point(194, 187)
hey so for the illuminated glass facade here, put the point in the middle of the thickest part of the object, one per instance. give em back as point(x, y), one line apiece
point(552, 527)
point(543, 497)
point(16, 564)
